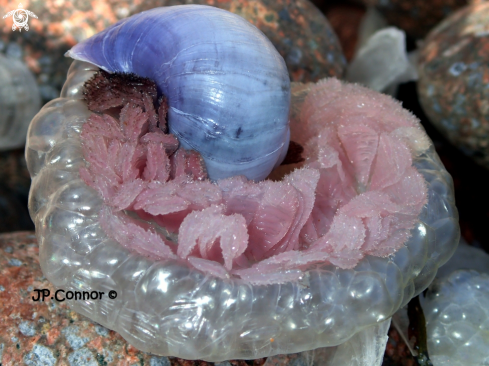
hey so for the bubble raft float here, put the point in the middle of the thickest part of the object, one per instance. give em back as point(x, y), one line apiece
point(168, 308)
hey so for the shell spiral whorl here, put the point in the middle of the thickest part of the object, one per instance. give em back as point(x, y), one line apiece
point(227, 87)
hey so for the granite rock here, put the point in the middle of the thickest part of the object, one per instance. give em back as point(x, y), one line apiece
point(453, 69)
point(417, 17)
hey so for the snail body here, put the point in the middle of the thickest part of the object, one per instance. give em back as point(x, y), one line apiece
point(228, 88)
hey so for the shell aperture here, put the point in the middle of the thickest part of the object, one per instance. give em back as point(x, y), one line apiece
point(228, 88)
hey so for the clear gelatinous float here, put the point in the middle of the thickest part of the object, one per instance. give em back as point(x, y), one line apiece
point(457, 319)
point(169, 307)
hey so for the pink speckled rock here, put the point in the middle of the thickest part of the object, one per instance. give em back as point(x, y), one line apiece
point(48, 332)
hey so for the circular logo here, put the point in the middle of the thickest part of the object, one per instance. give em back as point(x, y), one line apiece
point(20, 18)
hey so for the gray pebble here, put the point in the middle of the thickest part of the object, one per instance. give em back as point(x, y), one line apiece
point(71, 335)
point(27, 328)
point(82, 357)
point(2, 289)
point(294, 56)
point(8, 250)
point(104, 332)
point(108, 356)
point(39, 356)
point(159, 361)
point(14, 262)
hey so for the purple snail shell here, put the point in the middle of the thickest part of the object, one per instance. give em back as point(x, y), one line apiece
point(228, 88)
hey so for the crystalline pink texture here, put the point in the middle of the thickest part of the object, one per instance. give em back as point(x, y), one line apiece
point(356, 193)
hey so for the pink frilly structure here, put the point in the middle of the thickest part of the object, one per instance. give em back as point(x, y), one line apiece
point(355, 193)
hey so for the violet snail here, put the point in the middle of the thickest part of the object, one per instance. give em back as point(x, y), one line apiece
point(228, 88)
point(322, 252)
